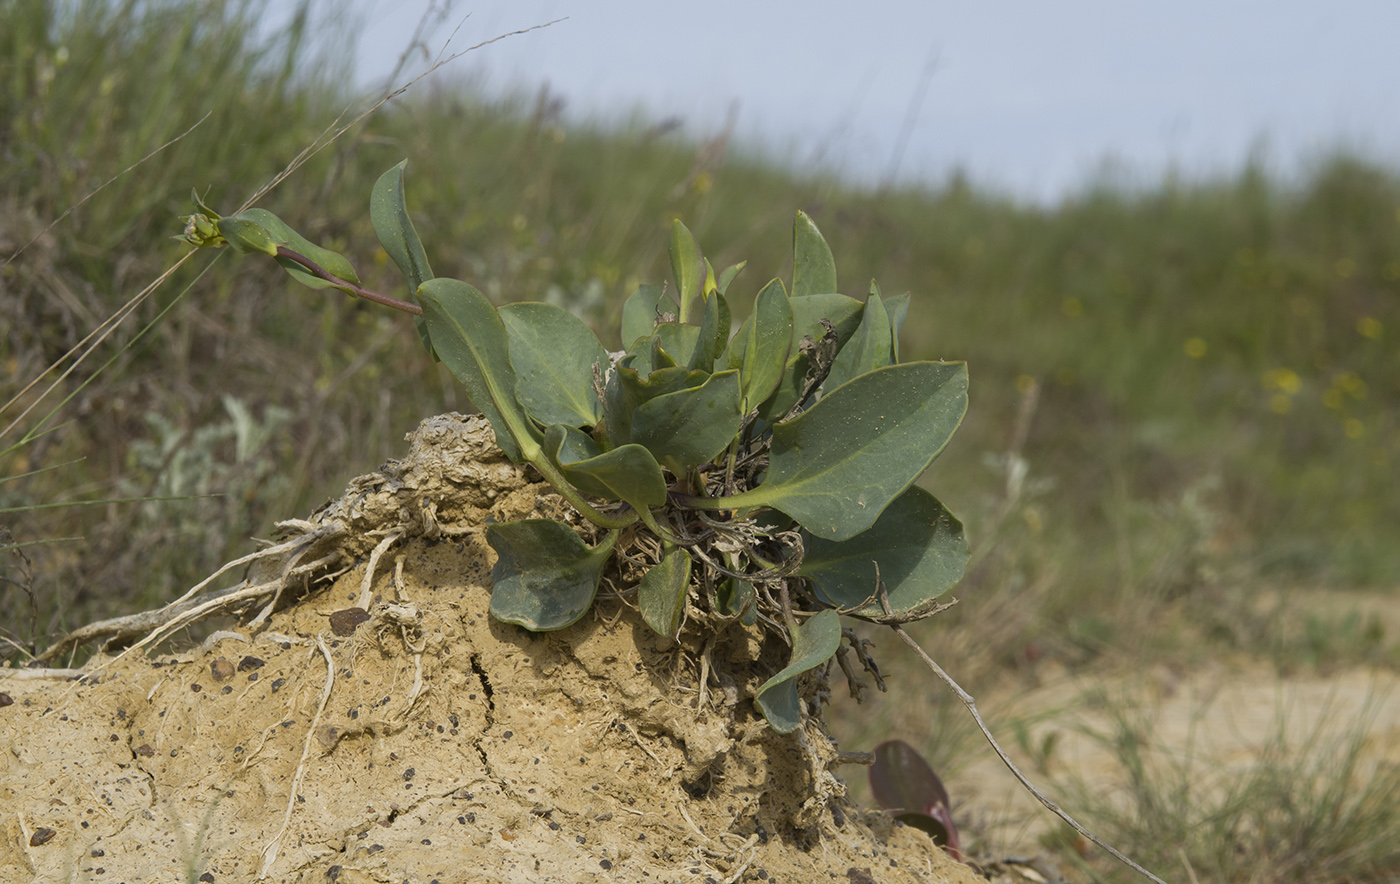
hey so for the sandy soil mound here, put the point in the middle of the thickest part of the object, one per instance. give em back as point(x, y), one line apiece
point(376, 725)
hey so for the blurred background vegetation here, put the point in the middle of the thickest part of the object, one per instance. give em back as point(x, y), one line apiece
point(1180, 393)
point(1183, 438)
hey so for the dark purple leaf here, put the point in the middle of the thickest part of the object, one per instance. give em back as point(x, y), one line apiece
point(902, 782)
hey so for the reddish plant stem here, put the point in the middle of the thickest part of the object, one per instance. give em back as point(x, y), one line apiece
point(345, 285)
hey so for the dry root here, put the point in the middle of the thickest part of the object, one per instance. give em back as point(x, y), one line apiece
point(453, 476)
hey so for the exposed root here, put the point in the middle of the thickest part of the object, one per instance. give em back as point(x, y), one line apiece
point(366, 585)
point(24, 837)
point(453, 472)
point(821, 756)
point(193, 606)
point(728, 865)
point(275, 845)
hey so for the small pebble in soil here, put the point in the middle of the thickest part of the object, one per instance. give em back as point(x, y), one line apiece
point(222, 669)
point(345, 621)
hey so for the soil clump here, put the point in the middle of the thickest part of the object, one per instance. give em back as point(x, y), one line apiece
point(369, 721)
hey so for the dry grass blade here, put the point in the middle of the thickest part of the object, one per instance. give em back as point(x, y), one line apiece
point(318, 145)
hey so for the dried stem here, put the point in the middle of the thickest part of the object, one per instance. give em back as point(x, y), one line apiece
point(1054, 808)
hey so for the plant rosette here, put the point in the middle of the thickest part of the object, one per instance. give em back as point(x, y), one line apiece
point(761, 477)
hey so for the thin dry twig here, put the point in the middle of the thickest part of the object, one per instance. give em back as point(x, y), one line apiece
point(1054, 808)
point(317, 146)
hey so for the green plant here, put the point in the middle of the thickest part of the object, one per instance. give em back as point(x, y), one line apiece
point(764, 477)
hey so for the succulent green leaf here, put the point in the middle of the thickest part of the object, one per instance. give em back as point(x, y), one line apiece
point(813, 643)
point(726, 276)
point(898, 309)
point(388, 212)
point(714, 330)
point(247, 237)
point(687, 265)
point(813, 267)
point(679, 341)
point(733, 355)
point(735, 598)
point(921, 553)
point(868, 349)
point(766, 345)
point(690, 426)
point(553, 353)
point(471, 339)
point(836, 466)
point(807, 313)
point(627, 388)
point(658, 358)
point(661, 594)
point(629, 472)
point(565, 444)
point(639, 313)
point(545, 576)
point(282, 235)
point(645, 355)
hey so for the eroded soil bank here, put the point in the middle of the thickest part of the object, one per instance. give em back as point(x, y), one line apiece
point(429, 742)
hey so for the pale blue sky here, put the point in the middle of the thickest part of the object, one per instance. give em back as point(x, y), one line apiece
point(1029, 97)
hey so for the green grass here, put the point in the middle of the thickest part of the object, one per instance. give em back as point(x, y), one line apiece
point(1218, 360)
